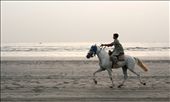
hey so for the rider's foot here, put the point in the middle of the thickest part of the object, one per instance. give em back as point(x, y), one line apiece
point(114, 64)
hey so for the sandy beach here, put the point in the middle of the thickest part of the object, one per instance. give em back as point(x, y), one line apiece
point(71, 80)
point(45, 45)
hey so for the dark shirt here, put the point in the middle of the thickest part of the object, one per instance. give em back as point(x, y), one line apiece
point(118, 49)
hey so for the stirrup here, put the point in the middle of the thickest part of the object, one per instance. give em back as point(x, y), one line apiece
point(114, 65)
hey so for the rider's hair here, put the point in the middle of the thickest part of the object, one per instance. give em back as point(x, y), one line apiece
point(116, 35)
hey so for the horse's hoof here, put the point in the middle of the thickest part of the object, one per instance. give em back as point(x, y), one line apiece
point(120, 86)
point(111, 86)
point(144, 83)
point(95, 81)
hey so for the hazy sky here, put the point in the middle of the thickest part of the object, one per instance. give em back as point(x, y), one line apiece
point(74, 21)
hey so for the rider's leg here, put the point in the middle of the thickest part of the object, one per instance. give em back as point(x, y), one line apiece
point(121, 57)
point(114, 60)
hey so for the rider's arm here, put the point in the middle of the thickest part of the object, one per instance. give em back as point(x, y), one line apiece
point(111, 44)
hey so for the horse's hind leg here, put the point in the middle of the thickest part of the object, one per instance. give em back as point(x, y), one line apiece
point(125, 76)
point(138, 75)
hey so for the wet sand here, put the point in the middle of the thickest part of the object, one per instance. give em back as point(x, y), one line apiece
point(71, 80)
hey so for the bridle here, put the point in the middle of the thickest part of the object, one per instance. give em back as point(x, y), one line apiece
point(93, 51)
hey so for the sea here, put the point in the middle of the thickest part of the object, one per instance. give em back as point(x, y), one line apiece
point(80, 49)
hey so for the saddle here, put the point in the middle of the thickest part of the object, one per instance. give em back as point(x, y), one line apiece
point(120, 57)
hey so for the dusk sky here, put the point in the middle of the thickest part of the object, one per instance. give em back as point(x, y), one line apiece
point(84, 21)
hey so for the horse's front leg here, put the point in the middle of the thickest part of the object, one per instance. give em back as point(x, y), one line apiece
point(94, 77)
point(110, 76)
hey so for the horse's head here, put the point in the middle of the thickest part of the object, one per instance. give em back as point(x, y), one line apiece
point(92, 52)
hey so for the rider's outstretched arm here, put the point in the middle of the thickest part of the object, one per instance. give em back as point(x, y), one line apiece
point(108, 45)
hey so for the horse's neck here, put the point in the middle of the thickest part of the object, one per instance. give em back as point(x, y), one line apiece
point(102, 55)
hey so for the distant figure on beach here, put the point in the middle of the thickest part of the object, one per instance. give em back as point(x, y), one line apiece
point(118, 51)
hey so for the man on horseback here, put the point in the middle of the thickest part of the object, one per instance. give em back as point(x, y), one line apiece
point(118, 50)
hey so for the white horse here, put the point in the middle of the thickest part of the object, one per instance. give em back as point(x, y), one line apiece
point(106, 64)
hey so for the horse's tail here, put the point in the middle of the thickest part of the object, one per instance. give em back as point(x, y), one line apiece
point(140, 63)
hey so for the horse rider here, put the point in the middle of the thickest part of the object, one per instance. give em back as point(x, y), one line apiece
point(118, 51)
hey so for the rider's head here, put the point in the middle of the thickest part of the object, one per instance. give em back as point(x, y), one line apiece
point(115, 35)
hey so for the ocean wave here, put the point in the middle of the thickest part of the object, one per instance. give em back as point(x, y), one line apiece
point(66, 49)
point(39, 49)
point(147, 48)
